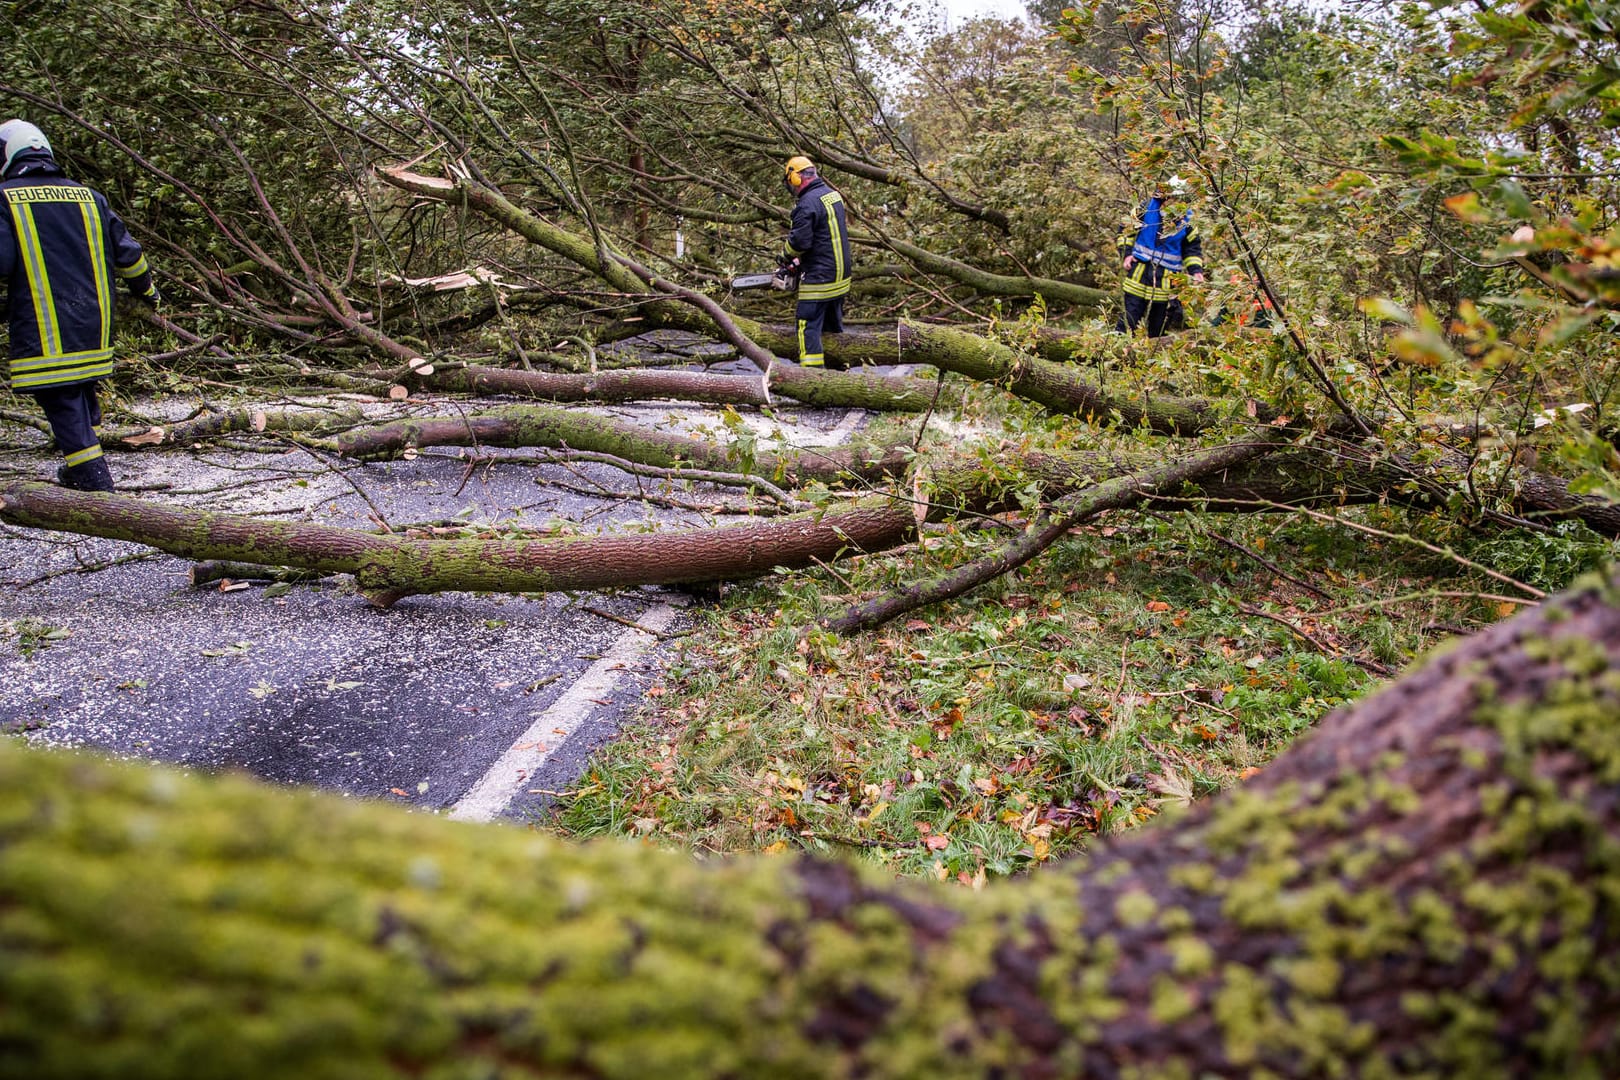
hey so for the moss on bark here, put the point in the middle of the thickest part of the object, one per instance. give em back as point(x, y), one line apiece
point(1428, 885)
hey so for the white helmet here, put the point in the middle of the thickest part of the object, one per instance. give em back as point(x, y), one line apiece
point(1176, 186)
point(17, 136)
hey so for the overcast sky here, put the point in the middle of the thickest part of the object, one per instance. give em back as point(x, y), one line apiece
point(962, 10)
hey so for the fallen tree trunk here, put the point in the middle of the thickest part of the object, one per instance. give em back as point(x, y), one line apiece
point(389, 567)
point(1317, 475)
point(1428, 884)
point(529, 425)
point(232, 422)
point(603, 386)
point(985, 283)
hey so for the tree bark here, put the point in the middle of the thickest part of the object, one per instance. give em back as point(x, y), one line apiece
point(1083, 297)
point(390, 567)
point(602, 386)
point(1428, 884)
point(531, 425)
point(234, 421)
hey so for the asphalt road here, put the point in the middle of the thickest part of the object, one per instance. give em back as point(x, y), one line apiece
point(471, 704)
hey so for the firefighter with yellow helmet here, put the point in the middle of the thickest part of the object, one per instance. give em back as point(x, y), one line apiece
point(818, 252)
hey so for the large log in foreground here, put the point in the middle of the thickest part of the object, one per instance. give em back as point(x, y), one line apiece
point(1429, 884)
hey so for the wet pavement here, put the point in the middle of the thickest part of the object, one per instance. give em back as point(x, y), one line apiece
point(475, 704)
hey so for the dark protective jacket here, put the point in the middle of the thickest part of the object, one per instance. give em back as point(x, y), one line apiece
point(1160, 248)
point(61, 246)
point(820, 240)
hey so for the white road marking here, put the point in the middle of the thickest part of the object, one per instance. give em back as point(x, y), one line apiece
point(496, 789)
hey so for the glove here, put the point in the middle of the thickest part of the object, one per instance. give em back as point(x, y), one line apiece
point(786, 278)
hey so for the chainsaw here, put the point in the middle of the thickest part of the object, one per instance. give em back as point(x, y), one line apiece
point(785, 278)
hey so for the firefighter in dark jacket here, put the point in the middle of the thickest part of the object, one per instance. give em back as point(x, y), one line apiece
point(818, 249)
point(61, 248)
point(1164, 242)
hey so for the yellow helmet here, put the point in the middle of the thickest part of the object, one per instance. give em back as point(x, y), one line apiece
point(800, 170)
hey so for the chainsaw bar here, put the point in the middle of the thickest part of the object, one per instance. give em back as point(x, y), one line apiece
point(752, 281)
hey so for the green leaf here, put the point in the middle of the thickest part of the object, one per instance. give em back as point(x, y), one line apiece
point(1379, 307)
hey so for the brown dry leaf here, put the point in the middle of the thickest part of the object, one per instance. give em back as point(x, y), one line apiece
point(937, 842)
point(399, 791)
point(919, 497)
point(1176, 788)
point(1158, 605)
point(915, 625)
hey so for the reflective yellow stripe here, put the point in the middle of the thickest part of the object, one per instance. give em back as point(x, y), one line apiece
point(37, 371)
point(134, 271)
point(35, 381)
point(1148, 292)
point(98, 268)
point(1136, 284)
point(801, 340)
point(823, 290)
point(39, 282)
point(35, 363)
point(79, 457)
point(829, 201)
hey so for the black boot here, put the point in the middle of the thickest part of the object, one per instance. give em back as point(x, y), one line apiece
point(93, 475)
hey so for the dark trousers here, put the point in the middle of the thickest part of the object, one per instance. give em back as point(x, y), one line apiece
point(815, 318)
point(1163, 316)
point(73, 412)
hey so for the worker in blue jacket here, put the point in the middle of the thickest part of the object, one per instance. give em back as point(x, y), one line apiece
point(61, 247)
point(1163, 242)
point(818, 249)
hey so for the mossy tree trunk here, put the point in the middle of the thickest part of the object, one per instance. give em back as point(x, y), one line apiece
point(1428, 884)
point(389, 567)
